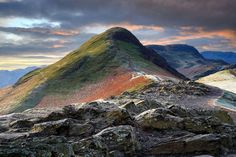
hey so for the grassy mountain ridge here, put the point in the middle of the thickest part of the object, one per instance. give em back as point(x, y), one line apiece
point(103, 55)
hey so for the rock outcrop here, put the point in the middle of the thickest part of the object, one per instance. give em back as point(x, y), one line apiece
point(133, 124)
point(109, 129)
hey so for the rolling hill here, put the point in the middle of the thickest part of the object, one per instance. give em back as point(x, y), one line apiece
point(228, 57)
point(106, 65)
point(225, 79)
point(187, 60)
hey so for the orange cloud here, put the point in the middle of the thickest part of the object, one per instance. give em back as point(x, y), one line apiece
point(65, 32)
point(169, 40)
point(98, 28)
point(132, 27)
point(190, 33)
point(208, 47)
point(61, 32)
point(59, 44)
point(201, 33)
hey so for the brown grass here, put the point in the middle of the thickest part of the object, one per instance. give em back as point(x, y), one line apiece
point(110, 86)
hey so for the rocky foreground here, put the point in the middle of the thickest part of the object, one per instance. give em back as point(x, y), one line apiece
point(133, 124)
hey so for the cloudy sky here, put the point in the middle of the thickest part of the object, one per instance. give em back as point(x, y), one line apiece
point(39, 32)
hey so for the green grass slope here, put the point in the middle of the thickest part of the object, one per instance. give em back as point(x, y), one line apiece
point(225, 80)
point(93, 61)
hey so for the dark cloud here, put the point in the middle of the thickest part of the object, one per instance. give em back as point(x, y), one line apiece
point(31, 48)
point(37, 45)
point(39, 57)
point(40, 32)
point(210, 14)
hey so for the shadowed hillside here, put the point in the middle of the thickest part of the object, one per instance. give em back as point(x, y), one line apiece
point(187, 60)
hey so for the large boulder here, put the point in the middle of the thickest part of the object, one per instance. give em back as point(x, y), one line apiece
point(52, 146)
point(103, 114)
point(140, 106)
point(131, 108)
point(197, 144)
point(100, 114)
point(81, 130)
point(109, 142)
point(59, 127)
point(22, 123)
point(181, 111)
point(159, 118)
point(223, 116)
point(201, 124)
point(3, 128)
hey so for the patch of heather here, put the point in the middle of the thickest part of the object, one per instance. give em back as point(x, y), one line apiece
point(111, 86)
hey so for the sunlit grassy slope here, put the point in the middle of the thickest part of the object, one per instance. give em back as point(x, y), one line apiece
point(225, 79)
point(97, 58)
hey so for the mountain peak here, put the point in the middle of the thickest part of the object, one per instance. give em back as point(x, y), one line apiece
point(122, 34)
point(117, 29)
point(114, 58)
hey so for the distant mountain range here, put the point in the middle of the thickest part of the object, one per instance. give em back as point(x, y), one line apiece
point(228, 57)
point(10, 77)
point(187, 60)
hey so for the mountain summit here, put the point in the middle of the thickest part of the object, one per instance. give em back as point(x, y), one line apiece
point(106, 65)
